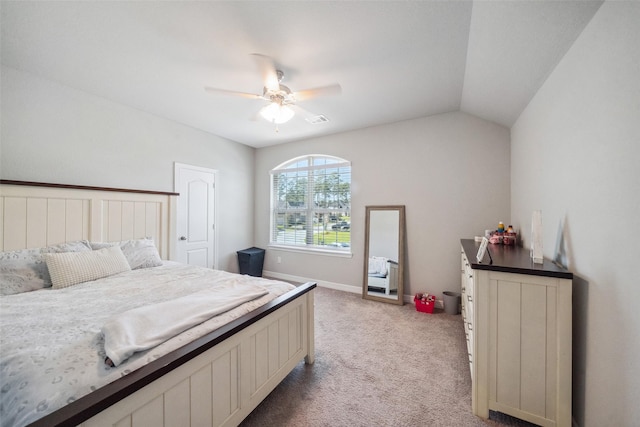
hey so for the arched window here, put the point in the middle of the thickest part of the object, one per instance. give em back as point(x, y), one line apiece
point(311, 203)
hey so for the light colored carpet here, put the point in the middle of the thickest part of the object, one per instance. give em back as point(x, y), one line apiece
point(376, 364)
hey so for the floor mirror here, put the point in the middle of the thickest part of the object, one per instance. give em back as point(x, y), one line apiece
point(384, 254)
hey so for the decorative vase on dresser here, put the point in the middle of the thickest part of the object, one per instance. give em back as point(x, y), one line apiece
point(517, 318)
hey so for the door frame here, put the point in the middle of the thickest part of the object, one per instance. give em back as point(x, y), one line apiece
point(177, 167)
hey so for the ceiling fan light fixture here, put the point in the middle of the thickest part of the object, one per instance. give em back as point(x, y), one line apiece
point(277, 113)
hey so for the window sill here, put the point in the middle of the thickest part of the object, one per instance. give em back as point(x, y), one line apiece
point(312, 251)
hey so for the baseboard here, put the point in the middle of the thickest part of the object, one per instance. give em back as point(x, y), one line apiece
point(408, 299)
point(324, 284)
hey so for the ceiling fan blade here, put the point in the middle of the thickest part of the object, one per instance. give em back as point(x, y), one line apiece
point(268, 71)
point(334, 89)
point(232, 93)
point(302, 112)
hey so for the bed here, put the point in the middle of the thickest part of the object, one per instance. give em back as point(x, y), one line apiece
point(383, 274)
point(214, 373)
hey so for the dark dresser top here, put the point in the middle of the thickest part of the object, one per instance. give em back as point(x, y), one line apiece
point(511, 259)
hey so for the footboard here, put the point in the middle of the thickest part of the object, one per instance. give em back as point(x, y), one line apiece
point(221, 386)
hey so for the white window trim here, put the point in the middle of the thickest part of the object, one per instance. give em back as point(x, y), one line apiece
point(344, 253)
point(314, 249)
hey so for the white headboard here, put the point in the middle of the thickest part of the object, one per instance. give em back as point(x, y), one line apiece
point(36, 215)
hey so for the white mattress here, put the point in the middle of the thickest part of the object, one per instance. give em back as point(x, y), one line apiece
point(51, 348)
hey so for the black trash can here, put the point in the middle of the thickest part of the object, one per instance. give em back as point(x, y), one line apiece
point(250, 261)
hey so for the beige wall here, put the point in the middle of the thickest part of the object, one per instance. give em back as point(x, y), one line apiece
point(576, 156)
point(451, 171)
point(52, 133)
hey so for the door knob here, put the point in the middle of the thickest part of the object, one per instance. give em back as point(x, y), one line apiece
point(183, 238)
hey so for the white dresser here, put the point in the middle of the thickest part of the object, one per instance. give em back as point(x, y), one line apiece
point(517, 318)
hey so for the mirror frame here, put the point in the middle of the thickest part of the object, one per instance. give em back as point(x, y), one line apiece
point(401, 261)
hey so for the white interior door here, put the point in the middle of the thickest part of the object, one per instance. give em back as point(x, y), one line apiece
point(195, 222)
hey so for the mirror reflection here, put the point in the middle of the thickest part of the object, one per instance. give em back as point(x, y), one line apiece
point(384, 254)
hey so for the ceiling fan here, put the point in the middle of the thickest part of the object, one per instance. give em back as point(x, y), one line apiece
point(282, 104)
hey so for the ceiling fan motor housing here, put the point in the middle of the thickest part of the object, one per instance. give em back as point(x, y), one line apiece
point(281, 96)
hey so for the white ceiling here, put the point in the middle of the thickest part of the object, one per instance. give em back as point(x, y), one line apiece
point(394, 60)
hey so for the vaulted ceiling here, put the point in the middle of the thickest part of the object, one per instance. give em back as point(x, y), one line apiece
point(394, 60)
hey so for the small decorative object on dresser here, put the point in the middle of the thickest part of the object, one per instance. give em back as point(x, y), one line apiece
point(536, 237)
point(483, 249)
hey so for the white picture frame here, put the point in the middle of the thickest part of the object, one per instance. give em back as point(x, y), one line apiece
point(483, 249)
point(536, 238)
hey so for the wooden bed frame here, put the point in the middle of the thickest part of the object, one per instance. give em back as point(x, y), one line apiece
point(216, 380)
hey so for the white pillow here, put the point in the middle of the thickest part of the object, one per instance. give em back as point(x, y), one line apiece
point(140, 253)
point(26, 270)
point(70, 268)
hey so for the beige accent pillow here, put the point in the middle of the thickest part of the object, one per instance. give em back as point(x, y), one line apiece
point(70, 268)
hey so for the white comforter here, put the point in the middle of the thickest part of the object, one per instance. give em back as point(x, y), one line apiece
point(51, 345)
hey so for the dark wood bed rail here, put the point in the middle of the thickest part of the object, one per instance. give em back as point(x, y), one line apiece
point(84, 187)
point(95, 402)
